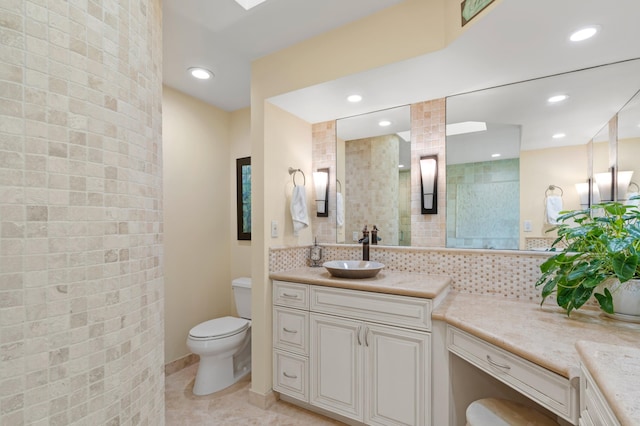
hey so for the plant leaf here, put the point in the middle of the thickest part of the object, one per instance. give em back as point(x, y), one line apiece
point(605, 300)
point(624, 266)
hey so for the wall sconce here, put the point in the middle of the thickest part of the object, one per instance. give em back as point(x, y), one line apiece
point(608, 187)
point(604, 182)
point(583, 189)
point(321, 182)
point(623, 182)
point(429, 184)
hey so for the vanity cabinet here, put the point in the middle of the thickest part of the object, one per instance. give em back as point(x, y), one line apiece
point(556, 393)
point(367, 356)
point(594, 410)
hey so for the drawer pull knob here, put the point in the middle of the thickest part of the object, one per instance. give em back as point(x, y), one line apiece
point(289, 376)
point(290, 296)
point(286, 330)
point(495, 364)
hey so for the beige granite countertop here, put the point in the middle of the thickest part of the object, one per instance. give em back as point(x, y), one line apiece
point(543, 335)
point(390, 282)
point(616, 371)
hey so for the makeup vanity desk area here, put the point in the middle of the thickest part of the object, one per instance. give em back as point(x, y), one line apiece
point(472, 326)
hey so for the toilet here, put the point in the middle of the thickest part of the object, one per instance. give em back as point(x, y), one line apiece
point(224, 344)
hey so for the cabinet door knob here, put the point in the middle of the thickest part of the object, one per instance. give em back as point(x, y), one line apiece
point(366, 336)
point(286, 330)
point(358, 334)
point(495, 364)
point(289, 376)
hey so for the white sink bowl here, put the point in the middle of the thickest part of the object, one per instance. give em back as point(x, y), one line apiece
point(353, 268)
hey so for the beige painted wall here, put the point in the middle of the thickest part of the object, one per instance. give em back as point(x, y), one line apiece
point(197, 224)
point(240, 138)
point(419, 27)
point(563, 167)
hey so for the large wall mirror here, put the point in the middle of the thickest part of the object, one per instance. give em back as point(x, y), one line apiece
point(373, 170)
point(500, 176)
point(513, 154)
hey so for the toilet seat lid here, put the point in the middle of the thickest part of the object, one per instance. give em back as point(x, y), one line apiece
point(219, 328)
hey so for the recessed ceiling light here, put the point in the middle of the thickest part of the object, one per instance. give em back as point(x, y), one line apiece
point(557, 98)
point(400, 166)
point(465, 127)
point(248, 4)
point(558, 136)
point(384, 123)
point(200, 73)
point(354, 98)
point(495, 155)
point(584, 33)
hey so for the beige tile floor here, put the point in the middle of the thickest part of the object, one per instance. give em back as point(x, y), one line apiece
point(229, 407)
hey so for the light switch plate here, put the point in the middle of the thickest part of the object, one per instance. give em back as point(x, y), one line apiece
point(527, 226)
point(274, 229)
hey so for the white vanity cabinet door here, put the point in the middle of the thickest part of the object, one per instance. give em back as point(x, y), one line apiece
point(396, 366)
point(368, 372)
point(594, 409)
point(335, 363)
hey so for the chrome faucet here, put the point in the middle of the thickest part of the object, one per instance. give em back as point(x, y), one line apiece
point(365, 243)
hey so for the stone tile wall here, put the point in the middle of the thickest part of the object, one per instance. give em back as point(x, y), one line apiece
point(81, 288)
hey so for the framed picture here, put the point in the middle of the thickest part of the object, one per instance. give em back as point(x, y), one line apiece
point(470, 8)
point(243, 200)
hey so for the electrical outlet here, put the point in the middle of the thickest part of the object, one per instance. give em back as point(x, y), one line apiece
point(527, 226)
point(355, 235)
point(274, 229)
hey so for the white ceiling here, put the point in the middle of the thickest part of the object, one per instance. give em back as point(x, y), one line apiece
point(223, 37)
point(518, 40)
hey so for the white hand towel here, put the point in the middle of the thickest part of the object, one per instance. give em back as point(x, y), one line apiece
point(553, 208)
point(299, 209)
point(339, 210)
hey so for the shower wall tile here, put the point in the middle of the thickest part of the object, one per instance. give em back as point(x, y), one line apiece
point(81, 287)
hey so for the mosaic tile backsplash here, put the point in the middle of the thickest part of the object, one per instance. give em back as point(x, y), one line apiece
point(509, 274)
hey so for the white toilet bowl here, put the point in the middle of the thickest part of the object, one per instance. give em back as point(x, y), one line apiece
point(224, 344)
point(224, 347)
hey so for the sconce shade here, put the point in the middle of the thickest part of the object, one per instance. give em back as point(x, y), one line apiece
point(429, 181)
point(321, 182)
point(605, 185)
point(583, 192)
point(624, 179)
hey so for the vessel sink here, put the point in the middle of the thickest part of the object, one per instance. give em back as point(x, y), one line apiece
point(353, 268)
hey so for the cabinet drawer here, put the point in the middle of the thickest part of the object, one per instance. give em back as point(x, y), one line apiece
point(593, 404)
point(291, 294)
point(290, 373)
point(291, 330)
point(401, 311)
point(548, 389)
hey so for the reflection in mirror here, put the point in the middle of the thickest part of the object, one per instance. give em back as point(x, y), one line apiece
point(373, 169)
point(498, 178)
point(629, 148)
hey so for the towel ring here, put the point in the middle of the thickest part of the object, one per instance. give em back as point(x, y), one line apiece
point(636, 185)
point(293, 172)
point(552, 188)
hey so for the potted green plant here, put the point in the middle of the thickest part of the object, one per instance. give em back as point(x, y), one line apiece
point(600, 257)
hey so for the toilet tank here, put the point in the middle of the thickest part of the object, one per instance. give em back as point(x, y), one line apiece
point(242, 294)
